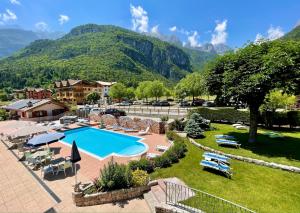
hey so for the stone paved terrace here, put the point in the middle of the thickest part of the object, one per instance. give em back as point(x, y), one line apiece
point(28, 192)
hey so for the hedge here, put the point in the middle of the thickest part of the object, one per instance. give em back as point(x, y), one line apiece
point(230, 115)
point(172, 155)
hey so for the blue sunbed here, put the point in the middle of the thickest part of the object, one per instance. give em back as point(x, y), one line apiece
point(216, 157)
point(225, 137)
point(228, 142)
point(217, 166)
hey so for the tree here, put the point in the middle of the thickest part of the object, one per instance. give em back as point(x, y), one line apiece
point(142, 91)
point(130, 93)
point(250, 73)
point(277, 99)
point(118, 91)
point(156, 89)
point(193, 85)
point(93, 97)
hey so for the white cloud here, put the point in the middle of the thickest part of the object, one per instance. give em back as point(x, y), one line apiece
point(41, 26)
point(7, 16)
point(272, 34)
point(275, 33)
point(139, 19)
point(193, 40)
point(259, 38)
point(15, 2)
point(173, 29)
point(63, 19)
point(154, 30)
point(220, 35)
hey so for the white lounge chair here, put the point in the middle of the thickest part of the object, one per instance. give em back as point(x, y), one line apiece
point(130, 130)
point(151, 155)
point(241, 127)
point(161, 148)
point(144, 132)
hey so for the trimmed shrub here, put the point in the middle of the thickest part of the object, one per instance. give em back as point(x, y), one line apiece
point(193, 130)
point(177, 125)
point(223, 114)
point(142, 164)
point(164, 118)
point(162, 161)
point(172, 155)
point(115, 176)
point(203, 123)
point(140, 178)
point(171, 135)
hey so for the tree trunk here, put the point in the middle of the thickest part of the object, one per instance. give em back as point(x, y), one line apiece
point(253, 123)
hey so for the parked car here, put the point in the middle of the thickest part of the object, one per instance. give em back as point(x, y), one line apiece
point(184, 104)
point(209, 104)
point(96, 111)
point(125, 103)
point(114, 112)
point(160, 103)
point(137, 103)
point(198, 102)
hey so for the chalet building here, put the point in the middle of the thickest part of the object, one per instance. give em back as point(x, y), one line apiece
point(76, 91)
point(36, 109)
point(37, 93)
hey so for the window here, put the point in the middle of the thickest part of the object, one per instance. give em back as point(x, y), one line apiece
point(57, 111)
point(41, 113)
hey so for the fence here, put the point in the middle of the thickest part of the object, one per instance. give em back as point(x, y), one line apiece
point(152, 111)
point(193, 200)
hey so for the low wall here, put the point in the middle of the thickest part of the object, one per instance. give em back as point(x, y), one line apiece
point(157, 127)
point(110, 197)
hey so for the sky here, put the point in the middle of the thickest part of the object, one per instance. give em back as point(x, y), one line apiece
point(195, 22)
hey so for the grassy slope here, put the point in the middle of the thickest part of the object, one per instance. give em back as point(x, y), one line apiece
point(256, 187)
point(285, 151)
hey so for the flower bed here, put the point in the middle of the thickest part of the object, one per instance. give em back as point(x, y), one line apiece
point(82, 199)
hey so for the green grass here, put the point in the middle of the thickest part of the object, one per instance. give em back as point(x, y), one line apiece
point(281, 150)
point(256, 187)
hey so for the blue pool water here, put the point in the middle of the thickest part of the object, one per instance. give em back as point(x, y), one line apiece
point(104, 143)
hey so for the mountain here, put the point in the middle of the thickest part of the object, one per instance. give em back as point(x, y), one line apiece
point(14, 38)
point(96, 52)
point(293, 35)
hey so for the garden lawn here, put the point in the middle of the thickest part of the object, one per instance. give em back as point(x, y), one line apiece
point(258, 188)
point(280, 150)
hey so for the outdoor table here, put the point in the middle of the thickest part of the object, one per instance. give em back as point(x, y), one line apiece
point(39, 154)
point(58, 161)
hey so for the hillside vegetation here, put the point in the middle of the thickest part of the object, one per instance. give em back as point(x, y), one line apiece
point(95, 52)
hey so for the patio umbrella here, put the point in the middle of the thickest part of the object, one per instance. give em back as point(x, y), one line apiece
point(75, 157)
point(45, 138)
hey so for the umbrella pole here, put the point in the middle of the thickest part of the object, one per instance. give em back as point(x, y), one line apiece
point(75, 175)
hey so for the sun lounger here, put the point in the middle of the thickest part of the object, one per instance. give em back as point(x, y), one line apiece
point(117, 128)
point(130, 130)
point(161, 148)
point(224, 137)
point(216, 157)
point(151, 155)
point(241, 127)
point(217, 166)
point(273, 134)
point(228, 142)
point(144, 132)
point(237, 124)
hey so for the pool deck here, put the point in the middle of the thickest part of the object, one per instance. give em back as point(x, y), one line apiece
point(29, 192)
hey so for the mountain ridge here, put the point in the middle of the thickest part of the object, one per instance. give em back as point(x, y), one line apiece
point(96, 52)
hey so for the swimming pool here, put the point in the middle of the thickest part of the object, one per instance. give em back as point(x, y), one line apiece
point(103, 143)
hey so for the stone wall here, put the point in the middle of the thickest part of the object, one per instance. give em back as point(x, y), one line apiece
point(80, 199)
point(157, 127)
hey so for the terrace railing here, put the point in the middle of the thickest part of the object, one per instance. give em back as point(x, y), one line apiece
point(193, 200)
